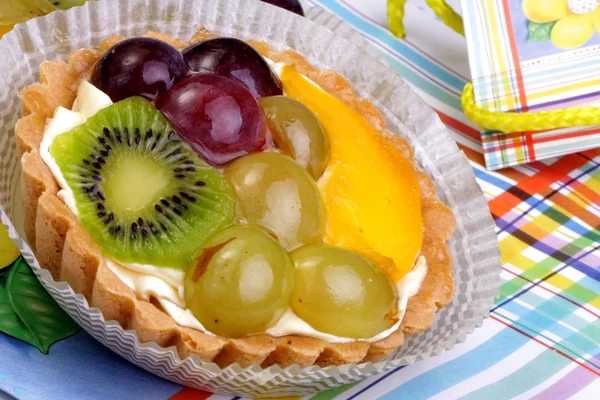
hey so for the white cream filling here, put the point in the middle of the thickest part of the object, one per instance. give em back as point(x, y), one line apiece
point(275, 67)
point(291, 324)
point(166, 284)
point(89, 101)
point(172, 301)
point(147, 286)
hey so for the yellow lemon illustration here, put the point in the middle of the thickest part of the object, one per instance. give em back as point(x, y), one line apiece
point(572, 31)
point(543, 11)
point(8, 250)
point(575, 19)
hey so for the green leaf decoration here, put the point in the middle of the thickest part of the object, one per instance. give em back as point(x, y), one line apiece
point(28, 312)
point(539, 32)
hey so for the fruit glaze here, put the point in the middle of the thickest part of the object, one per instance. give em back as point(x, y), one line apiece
point(243, 199)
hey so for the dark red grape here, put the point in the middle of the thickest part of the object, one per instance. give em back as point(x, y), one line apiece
point(290, 5)
point(139, 67)
point(233, 58)
point(217, 116)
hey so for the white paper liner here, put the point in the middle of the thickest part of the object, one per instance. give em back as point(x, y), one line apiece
point(474, 247)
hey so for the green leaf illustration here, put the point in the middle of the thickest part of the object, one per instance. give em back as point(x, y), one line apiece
point(539, 32)
point(28, 312)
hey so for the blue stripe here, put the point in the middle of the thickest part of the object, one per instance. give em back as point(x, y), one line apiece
point(384, 35)
point(461, 368)
point(530, 375)
point(471, 15)
point(571, 262)
point(546, 317)
point(414, 78)
point(590, 284)
point(491, 178)
point(375, 382)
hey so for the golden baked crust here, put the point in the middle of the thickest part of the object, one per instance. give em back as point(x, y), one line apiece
point(64, 248)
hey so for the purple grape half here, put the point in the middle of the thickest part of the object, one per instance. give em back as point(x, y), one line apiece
point(139, 67)
point(290, 5)
point(217, 116)
point(235, 59)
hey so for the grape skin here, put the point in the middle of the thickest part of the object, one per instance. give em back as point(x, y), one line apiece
point(275, 192)
point(242, 282)
point(341, 293)
point(297, 132)
point(139, 67)
point(217, 116)
point(290, 5)
point(234, 59)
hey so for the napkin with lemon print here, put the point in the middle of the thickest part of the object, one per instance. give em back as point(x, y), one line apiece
point(533, 56)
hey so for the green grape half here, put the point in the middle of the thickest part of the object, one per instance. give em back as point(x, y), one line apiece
point(275, 192)
point(297, 132)
point(339, 292)
point(242, 282)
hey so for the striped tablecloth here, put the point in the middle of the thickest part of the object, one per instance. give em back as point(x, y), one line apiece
point(543, 337)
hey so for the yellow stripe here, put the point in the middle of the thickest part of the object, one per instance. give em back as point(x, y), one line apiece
point(510, 248)
point(498, 50)
point(562, 89)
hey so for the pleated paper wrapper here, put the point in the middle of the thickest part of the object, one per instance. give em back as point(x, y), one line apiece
point(328, 43)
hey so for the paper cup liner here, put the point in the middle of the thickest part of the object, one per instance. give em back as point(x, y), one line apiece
point(474, 247)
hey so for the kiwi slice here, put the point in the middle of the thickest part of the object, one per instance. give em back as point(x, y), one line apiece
point(143, 195)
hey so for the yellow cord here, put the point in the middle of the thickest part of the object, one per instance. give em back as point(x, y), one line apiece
point(526, 121)
point(395, 16)
point(447, 15)
point(498, 121)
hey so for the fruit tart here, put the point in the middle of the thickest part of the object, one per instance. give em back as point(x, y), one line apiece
point(232, 201)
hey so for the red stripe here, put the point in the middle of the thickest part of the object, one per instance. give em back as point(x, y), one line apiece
point(515, 57)
point(567, 135)
point(518, 76)
point(591, 153)
point(529, 144)
point(508, 145)
point(459, 126)
point(545, 345)
point(538, 183)
point(191, 394)
point(471, 154)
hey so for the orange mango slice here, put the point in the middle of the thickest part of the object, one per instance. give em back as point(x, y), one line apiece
point(370, 190)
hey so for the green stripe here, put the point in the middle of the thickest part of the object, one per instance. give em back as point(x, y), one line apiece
point(525, 378)
point(544, 318)
point(330, 394)
point(577, 292)
point(567, 146)
point(590, 237)
point(416, 80)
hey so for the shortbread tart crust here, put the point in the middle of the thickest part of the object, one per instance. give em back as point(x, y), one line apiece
point(66, 250)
